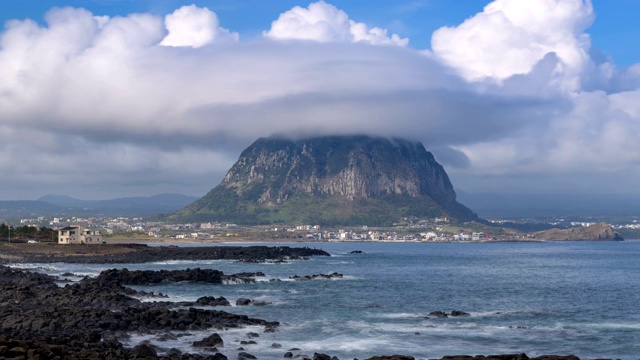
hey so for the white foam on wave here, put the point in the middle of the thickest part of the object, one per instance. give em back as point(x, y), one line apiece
point(344, 344)
point(612, 326)
point(189, 262)
point(260, 291)
point(37, 267)
point(398, 315)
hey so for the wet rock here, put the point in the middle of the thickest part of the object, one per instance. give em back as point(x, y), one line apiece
point(212, 301)
point(459, 313)
point(253, 335)
point(392, 357)
point(243, 302)
point(276, 346)
point(173, 352)
point(143, 351)
point(245, 356)
point(318, 356)
point(438, 314)
point(210, 341)
point(288, 354)
point(333, 275)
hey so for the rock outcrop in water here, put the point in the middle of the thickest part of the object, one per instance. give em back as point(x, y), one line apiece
point(330, 180)
point(596, 232)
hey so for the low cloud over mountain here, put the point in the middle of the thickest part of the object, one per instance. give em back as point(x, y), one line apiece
point(142, 104)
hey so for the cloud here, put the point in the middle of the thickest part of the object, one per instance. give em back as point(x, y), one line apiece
point(323, 23)
point(510, 37)
point(175, 99)
point(195, 27)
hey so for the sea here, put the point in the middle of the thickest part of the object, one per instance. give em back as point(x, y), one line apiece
point(580, 298)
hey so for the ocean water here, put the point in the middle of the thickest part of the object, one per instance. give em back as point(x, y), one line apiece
point(580, 298)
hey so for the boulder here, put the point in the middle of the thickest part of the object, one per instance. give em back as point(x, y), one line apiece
point(212, 301)
point(243, 302)
point(459, 313)
point(438, 314)
point(210, 341)
point(245, 356)
point(143, 351)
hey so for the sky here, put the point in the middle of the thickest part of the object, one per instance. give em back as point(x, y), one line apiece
point(111, 98)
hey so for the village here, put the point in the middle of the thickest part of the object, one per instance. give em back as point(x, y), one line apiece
point(101, 230)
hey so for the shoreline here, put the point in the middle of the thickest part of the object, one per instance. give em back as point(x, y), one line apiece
point(92, 318)
point(144, 250)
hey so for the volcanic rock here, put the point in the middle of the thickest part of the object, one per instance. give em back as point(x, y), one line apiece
point(330, 180)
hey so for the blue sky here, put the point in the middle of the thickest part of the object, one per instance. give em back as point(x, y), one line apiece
point(156, 96)
point(614, 29)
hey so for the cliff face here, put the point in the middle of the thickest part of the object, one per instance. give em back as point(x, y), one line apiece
point(337, 179)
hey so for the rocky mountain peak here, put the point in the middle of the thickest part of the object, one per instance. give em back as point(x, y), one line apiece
point(353, 173)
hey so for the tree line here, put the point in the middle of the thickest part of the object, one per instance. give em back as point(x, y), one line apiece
point(27, 232)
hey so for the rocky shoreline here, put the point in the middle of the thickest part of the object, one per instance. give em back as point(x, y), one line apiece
point(141, 253)
point(95, 317)
point(91, 319)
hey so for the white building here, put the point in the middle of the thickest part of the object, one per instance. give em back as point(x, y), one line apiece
point(78, 235)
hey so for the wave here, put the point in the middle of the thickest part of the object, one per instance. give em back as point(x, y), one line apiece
point(188, 262)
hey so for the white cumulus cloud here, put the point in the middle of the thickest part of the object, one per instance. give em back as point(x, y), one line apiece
point(323, 22)
point(195, 27)
point(511, 36)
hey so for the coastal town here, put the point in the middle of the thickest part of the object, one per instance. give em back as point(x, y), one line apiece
point(94, 230)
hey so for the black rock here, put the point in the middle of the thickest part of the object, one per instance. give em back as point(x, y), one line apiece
point(142, 351)
point(459, 313)
point(245, 356)
point(438, 314)
point(212, 301)
point(243, 302)
point(209, 341)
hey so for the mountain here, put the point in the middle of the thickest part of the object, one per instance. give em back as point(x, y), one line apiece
point(128, 206)
point(61, 205)
point(10, 209)
point(333, 180)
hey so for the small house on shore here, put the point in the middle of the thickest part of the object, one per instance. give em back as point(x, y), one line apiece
point(78, 235)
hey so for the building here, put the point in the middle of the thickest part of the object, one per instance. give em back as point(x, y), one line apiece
point(78, 235)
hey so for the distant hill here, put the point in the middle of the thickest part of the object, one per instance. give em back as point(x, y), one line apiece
point(521, 205)
point(596, 232)
point(26, 209)
point(58, 205)
point(333, 180)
